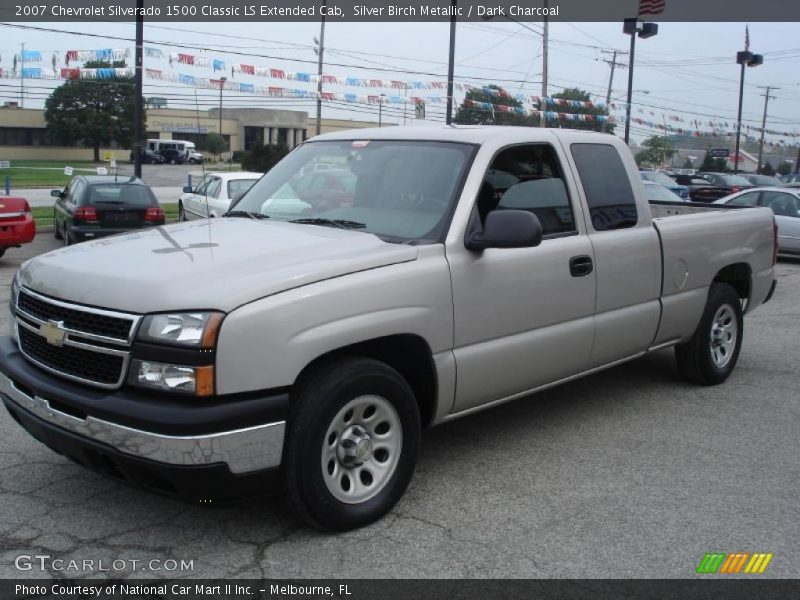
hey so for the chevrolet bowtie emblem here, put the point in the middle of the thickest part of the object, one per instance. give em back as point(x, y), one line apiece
point(53, 332)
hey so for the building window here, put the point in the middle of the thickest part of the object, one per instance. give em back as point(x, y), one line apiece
point(283, 136)
point(23, 136)
point(253, 136)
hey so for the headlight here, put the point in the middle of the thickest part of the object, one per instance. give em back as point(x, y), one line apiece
point(197, 381)
point(193, 330)
point(14, 292)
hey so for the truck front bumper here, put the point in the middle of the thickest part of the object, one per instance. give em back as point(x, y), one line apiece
point(200, 463)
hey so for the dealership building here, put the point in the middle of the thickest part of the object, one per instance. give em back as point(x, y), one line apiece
point(23, 131)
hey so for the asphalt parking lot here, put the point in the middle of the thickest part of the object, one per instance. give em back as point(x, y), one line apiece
point(628, 473)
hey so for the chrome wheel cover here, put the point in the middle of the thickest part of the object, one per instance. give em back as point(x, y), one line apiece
point(724, 334)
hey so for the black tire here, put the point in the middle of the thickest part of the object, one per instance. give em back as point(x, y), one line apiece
point(317, 400)
point(181, 212)
point(66, 237)
point(2, 252)
point(696, 358)
point(56, 230)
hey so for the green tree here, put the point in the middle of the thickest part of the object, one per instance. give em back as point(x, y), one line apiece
point(582, 96)
point(767, 169)
point(657, 150)
point(784, 168)
point(473, 115)
point(215, 144)
point(262, 158)
point(713, 165)
point(92, 112)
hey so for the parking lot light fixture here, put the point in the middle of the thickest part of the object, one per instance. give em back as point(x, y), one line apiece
point(632, 27)
point(745, 59)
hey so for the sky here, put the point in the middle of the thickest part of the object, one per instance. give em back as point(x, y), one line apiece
point(688, 69)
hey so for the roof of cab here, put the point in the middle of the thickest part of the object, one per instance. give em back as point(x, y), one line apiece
point(470, 134)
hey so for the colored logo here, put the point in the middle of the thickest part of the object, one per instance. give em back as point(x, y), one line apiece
point(735, 563)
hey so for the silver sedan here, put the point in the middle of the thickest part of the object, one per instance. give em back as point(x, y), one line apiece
point(785, 203)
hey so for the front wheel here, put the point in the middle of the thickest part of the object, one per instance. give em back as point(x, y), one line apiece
point(352, 443)
point(56, 230)
point(709, 357)
point(181, 212)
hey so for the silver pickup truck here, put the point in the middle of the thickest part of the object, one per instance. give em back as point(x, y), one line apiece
point(304, 340)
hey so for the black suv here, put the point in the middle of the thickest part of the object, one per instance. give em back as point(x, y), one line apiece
point(150, 158)
point(95, 206)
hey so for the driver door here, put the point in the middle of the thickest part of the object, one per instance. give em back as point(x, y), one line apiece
point(523, 317)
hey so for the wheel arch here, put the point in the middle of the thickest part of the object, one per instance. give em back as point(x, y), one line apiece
point(739, 276)
point(409, 354)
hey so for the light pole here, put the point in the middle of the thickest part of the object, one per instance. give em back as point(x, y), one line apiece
point(138, 109)
point(380, 109)
point(745, 59)
point(632, 27)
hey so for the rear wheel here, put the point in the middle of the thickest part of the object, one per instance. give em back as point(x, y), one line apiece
point(352, 443)
point(709, 357)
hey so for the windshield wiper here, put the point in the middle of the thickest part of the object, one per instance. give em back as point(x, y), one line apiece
point(340, 223)
point(245, 213)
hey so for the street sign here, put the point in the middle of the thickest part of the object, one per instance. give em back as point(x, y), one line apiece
point(419, 110)
point(102, 171)
point(68, 171)
point(5, 164)
point(720, 152)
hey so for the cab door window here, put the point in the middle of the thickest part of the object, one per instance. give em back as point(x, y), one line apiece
point(528, 177)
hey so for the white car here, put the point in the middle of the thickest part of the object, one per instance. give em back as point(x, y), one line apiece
point(785, 203)
point(213, 196)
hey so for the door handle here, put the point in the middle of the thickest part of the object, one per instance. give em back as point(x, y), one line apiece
point(580, 266)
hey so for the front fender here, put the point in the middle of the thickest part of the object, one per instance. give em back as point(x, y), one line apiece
point(267, 343)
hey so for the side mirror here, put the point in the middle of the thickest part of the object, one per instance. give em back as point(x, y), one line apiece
point(187, 189)
point(56, 193)
point(506, 229)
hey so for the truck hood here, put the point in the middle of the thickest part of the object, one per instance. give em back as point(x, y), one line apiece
point(218, 264)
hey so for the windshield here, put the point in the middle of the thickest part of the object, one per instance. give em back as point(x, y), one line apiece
point(764, 180)
point(734, 180)
point(657, 178)
point(654, 191)
point(401, 191)
point(118, 194)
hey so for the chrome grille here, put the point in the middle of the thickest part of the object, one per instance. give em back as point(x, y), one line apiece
point(84, 344)
point(86, 320)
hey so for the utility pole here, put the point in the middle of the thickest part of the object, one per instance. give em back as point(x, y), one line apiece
point(22, 77)
point(545, 36)
point(138, 91)
point(319, 50)
point(613, 64)
point(451, 64)
point(767, 89)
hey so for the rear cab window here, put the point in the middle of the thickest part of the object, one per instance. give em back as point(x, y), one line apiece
point(606, 185)
point(528, 177)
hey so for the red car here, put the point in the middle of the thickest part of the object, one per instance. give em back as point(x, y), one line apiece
point(16, 223)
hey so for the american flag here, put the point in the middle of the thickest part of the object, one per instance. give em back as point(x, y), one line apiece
point(747, 38)
point(651, 7)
